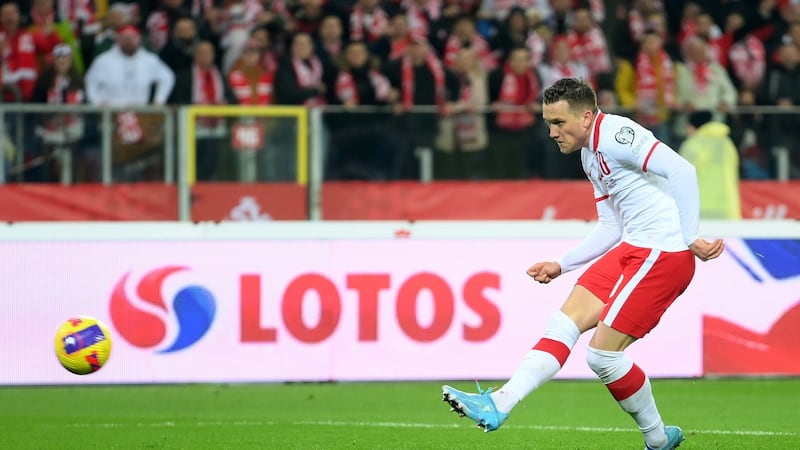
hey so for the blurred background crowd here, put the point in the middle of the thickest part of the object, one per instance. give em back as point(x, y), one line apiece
point(462, 78)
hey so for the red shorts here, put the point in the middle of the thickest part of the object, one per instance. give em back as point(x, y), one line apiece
point(638, 285)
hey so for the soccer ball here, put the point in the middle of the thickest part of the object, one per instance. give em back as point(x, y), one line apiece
point(83, 345)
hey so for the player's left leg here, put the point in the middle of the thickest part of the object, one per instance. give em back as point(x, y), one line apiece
point(652, 282)
point(629, 385)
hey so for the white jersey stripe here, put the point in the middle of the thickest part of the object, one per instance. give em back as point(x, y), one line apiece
point(630, 286)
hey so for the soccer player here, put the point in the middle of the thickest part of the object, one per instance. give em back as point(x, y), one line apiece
point(647, 197)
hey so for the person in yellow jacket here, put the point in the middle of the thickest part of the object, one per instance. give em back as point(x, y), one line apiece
point(712, 152)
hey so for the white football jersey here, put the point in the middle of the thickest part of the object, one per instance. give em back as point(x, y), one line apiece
point(616, 164)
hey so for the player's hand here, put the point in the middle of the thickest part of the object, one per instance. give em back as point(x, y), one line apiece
point(545, 272)
point(707, 250)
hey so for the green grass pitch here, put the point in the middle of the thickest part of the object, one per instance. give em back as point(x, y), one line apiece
point(715, 414)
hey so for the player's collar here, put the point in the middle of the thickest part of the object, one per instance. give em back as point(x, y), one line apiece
point(594, 139)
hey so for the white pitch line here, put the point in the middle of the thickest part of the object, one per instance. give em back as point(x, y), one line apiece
point(412, 425)
point(538, 428)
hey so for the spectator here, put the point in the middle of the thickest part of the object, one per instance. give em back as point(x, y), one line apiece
point(717, 43)
point(368, 21)
point(539, 40)
point(500, 10)
point(126, 75)
point(269, 58)
point(202, 84)
point(597, 7)
point(300, 76)
point(61, 84)
point(421, 15)
point(253, 84)
point(634, 18)
point(179, 52)
point(512, 33)
point(393, 44)
point(712, 152)
point(359, 83)
point(251, 81)
point(418, 76)
point(361, 148)
point(160, 22)
point(17, 54)
point(463, 137)
point(465, 35)
point(588, 43)
point(747, 56)
point(647, 15)
point(419, 79)
point(685, 25)
point(748, 134)
point(514, 91)
point(562, 15)
point(299, 80)
point(237, 20)
point(308, 17)
point(701, 84)
point(117, 17)
point(649, 87)
point(523, 29)
point(330, 42)
point(275, 17)
point(211, 27)
point(81, 15)
point(782, 88)
point(657, 21)
point(561, 65)
point(44, 32)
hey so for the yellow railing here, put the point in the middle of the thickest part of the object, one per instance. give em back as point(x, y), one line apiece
point(300, 114)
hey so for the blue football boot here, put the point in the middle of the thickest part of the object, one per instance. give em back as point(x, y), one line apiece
point(674, 438)
point(479, 407)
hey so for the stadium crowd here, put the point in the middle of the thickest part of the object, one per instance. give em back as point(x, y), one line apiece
point(462, 77)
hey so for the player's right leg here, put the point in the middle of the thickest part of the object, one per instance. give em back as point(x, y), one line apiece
point(488, 409)
point(580, 312)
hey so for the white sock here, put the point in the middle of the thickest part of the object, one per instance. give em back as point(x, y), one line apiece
point(541, 363)
point(630, 386)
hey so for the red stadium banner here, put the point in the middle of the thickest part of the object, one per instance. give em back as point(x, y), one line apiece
point(458, 200)
point(249, 201)
point(507, 200)
point(770, 199)
point(401, 200)
point(87, 202)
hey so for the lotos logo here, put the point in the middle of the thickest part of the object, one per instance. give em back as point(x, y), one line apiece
point(192, 306)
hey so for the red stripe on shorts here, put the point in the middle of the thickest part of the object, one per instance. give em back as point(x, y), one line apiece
point(629, 384)
point(559, 350)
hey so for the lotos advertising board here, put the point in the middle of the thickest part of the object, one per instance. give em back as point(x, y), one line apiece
point(310, 302)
